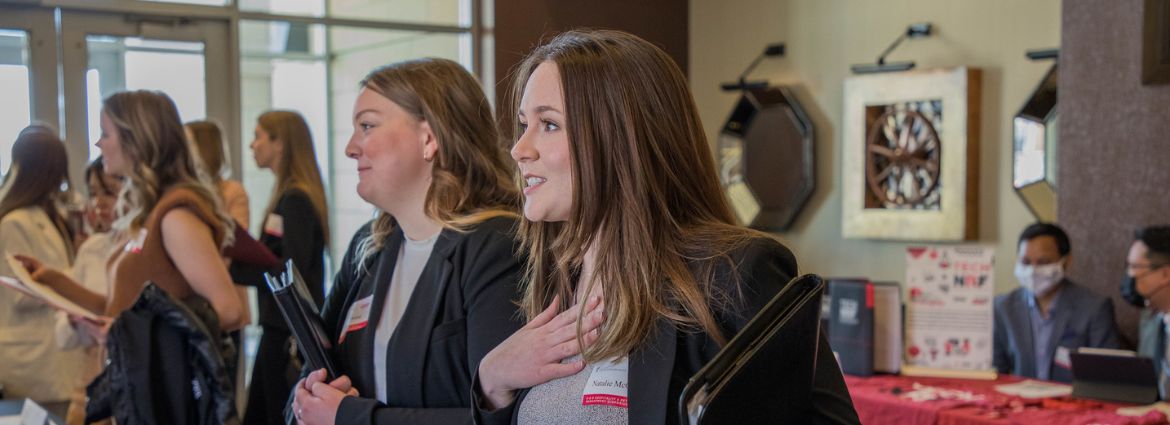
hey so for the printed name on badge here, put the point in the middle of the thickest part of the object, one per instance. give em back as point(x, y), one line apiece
point(359, 317)
point(608, 384)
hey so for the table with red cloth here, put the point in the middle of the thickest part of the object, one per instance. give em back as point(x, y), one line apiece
point(906, 400)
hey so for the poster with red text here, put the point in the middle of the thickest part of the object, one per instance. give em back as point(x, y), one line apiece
point(949, 310)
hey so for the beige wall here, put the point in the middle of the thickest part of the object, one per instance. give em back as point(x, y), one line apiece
point(824, 37)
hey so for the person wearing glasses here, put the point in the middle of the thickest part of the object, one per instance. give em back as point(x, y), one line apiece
point(1039, 324)
point(1147, 277)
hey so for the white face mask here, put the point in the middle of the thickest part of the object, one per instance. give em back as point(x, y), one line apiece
point(1040, 279)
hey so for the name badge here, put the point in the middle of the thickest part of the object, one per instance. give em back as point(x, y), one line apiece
point(358, 317)
point(608, 384)
point(135, 244)
point(274, 225)
point(1063, 358)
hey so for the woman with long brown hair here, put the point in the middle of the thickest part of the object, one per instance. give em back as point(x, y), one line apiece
point(295, 226)
point(427, 288)
point(32, 223)
point(171, 226)
point(636, 267)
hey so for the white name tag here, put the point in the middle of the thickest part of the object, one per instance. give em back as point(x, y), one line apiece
point(358, 317)
point(1062, 358)
point(274, 225)
point(135, 244)
point(608, 384)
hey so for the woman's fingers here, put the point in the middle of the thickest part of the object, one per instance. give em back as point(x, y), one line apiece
point(342, 384)
point(546, 315)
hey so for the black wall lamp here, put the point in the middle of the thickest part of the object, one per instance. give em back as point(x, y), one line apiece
point(918, 30)
point(1042, 54)
point(771, 50)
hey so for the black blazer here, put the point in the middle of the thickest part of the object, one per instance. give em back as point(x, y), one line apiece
point(463, 306)
point(661, 368)
point(303, 241)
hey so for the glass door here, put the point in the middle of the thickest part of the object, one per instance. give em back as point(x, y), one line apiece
point(27, 48)
point(105, 53)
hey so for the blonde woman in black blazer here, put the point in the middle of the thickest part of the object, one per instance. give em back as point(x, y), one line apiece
point(428, 156)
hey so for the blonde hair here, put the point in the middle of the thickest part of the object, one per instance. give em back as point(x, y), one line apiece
point(158, 158)
point(646, 196)
point(297, 166)
point(472, 178)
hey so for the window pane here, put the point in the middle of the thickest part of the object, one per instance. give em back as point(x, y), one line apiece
point(355, 53)
point(130, 63)
point(200, 2)
point(435, 12)
point(440, 12)
point(16, 109)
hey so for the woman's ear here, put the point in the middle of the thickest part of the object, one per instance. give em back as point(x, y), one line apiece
point(430, 146)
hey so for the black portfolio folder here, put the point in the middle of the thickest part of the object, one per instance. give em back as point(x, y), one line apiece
point(295, 303)
point(765, 372)
point(1114, 375)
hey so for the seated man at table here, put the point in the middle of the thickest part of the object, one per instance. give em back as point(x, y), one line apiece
point(1148, 273)
point(1040, 323)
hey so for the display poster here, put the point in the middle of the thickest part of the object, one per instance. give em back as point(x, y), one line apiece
point(949, 312)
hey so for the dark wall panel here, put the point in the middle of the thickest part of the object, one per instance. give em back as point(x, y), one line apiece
point(521, 24)
point(1114, 153)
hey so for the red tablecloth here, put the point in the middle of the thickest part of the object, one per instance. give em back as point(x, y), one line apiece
point(890, 400)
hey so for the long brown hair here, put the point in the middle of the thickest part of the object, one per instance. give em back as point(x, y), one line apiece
point(297, 166)
point(645, 192)
point(209, 144)
point(159, 158)
point(472, 176)
point(39, 167)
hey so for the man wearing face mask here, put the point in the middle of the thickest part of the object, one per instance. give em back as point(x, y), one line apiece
point(1147, 277)
point(1040, 323)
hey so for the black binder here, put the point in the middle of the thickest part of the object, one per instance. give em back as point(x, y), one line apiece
point(851, 320)
point(303, 319)
point(1113, 375)
point(766, 371)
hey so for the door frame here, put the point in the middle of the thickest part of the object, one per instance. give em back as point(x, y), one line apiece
point(39, 24)
point(219, 66)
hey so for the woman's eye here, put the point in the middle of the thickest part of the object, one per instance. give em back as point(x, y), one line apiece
point(523, 126)
point(366, 126)
point(550, 126)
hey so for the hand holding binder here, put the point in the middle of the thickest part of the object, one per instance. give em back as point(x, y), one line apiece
point(303, 319)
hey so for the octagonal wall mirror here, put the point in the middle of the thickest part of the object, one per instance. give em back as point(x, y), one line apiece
point(766, 158)
point(1034, 145)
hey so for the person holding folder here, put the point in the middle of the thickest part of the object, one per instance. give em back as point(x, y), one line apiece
point(32, 223)
point(637, 271)
point(427, 288)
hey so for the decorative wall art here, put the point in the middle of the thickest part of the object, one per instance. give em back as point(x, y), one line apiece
point(766, 158)
point(1034, 145)
point(911, 155)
